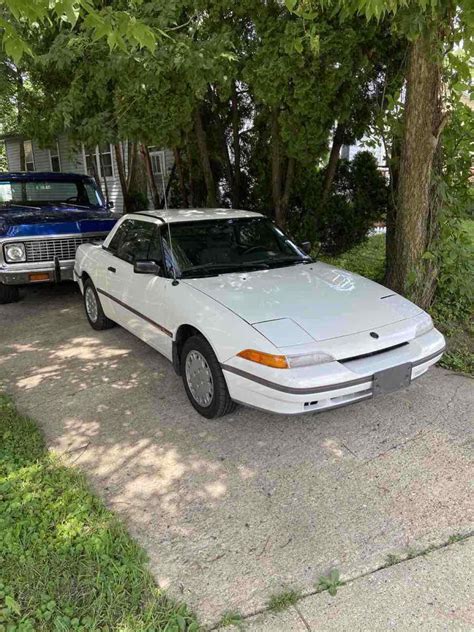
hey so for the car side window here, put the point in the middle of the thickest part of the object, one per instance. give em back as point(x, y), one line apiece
point(155, 251)
point(136, 242)
point(133, 240)
point(118, 238)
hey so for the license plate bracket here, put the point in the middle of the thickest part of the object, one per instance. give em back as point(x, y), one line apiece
point(390, 380)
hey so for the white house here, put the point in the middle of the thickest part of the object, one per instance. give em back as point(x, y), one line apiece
point(66, 157)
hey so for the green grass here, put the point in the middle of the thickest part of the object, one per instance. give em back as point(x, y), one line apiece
point(231, 618)
point(283, 600)
point(66, 562)
point(368, 259)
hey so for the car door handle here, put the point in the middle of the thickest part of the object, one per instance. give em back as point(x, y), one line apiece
point(110, 269)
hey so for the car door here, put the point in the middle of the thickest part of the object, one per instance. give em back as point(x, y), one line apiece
point(139, 299)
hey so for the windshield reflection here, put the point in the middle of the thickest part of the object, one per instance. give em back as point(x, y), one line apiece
point(219, 246)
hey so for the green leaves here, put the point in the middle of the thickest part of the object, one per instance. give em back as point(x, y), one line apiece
point(330, 582)
point(12, 605)
point(119, 28)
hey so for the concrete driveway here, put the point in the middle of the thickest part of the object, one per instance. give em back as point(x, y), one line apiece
point(236, 510)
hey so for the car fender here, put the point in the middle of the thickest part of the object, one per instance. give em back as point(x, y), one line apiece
point(226, 332)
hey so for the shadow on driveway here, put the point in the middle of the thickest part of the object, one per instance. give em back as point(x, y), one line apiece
point(231, 511)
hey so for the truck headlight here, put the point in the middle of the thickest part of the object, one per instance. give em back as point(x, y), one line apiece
point(14, 253)
point(424, 326)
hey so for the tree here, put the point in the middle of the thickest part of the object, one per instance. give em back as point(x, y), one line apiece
point(431, 30)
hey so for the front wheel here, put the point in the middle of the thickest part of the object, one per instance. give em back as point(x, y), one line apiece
point(94, 312)
point(8, 294)
point(203, 379)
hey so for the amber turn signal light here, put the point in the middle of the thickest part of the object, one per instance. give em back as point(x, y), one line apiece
point(275, 361)
point(39, 276)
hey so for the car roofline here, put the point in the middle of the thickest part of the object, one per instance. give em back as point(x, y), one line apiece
point(177, 215)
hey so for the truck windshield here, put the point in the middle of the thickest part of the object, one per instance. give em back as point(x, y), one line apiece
point(212, 247)
point(37, 193)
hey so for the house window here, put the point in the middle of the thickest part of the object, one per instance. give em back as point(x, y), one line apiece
point(157, 159)
point(106, 161)
point(90, 161)
point(29, 155)
point(99, 162)
point(55, 159)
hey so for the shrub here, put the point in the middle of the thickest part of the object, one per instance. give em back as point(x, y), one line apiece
point(359, 198)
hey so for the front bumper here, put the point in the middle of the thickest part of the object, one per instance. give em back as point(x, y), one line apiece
point(322, 387)
point(43, 272)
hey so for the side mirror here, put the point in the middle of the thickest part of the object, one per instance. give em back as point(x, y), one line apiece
point(146, 267)
point(110, 205)
point(306, 247)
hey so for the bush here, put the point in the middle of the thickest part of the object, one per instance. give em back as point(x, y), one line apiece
point(360, 196)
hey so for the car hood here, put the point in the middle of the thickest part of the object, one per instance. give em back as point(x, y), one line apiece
point(22, 221)
point(326, 302)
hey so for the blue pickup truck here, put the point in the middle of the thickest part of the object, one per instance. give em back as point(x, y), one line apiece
point(44, 217)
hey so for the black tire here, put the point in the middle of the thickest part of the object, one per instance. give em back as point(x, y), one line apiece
point(8, 294)
point(101, 321)
point(221, 403)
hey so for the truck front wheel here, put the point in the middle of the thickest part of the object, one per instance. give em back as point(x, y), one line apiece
point(8, 294)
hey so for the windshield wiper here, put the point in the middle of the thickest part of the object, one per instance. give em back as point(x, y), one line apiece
point(290, 260)
point(35, 208)
point(88, 208)
point(231, 267)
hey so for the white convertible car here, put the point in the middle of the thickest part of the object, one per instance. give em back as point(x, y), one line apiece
point(246, 316)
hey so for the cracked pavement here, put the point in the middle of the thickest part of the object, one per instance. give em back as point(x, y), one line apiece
point(233, 511)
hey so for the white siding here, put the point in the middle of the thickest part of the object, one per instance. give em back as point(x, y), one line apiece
point(41, 158)
point(12, 147)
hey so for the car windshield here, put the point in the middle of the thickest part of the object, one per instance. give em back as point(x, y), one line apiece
point(211, 247)
point(38, 193)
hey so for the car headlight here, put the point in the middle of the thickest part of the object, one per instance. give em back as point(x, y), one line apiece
point(309, 359)
point(424, 326)
point(14, 253)
point(285, 362)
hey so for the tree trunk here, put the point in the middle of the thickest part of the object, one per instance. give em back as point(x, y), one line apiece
point(281, 190)
point(285, 198)
point(236, 147)
point(95, 175)
point(227, 161)
point(22, 154)
point(423, 123)
point(276, 165)
point(19, 99)
point(392, 208)
point(180, 171)
point(106, 188)
point(151, 178)
point(122, 176)
point(332, 163)
point(189, 157)
point(201, 139)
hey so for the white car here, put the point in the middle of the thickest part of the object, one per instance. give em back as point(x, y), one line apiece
point(245, 316)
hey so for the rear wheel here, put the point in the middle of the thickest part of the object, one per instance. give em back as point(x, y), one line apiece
point(203, 379)
point(8, 294)
point(94, 312)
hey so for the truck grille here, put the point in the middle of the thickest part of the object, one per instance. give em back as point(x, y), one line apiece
point(48, 249)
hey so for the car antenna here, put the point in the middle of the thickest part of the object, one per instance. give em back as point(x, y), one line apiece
point(165, 204)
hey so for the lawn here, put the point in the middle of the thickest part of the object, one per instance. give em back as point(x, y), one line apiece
point(66, 562)
point(368, 259)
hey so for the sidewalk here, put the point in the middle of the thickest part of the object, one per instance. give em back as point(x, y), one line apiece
point(430, 592)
